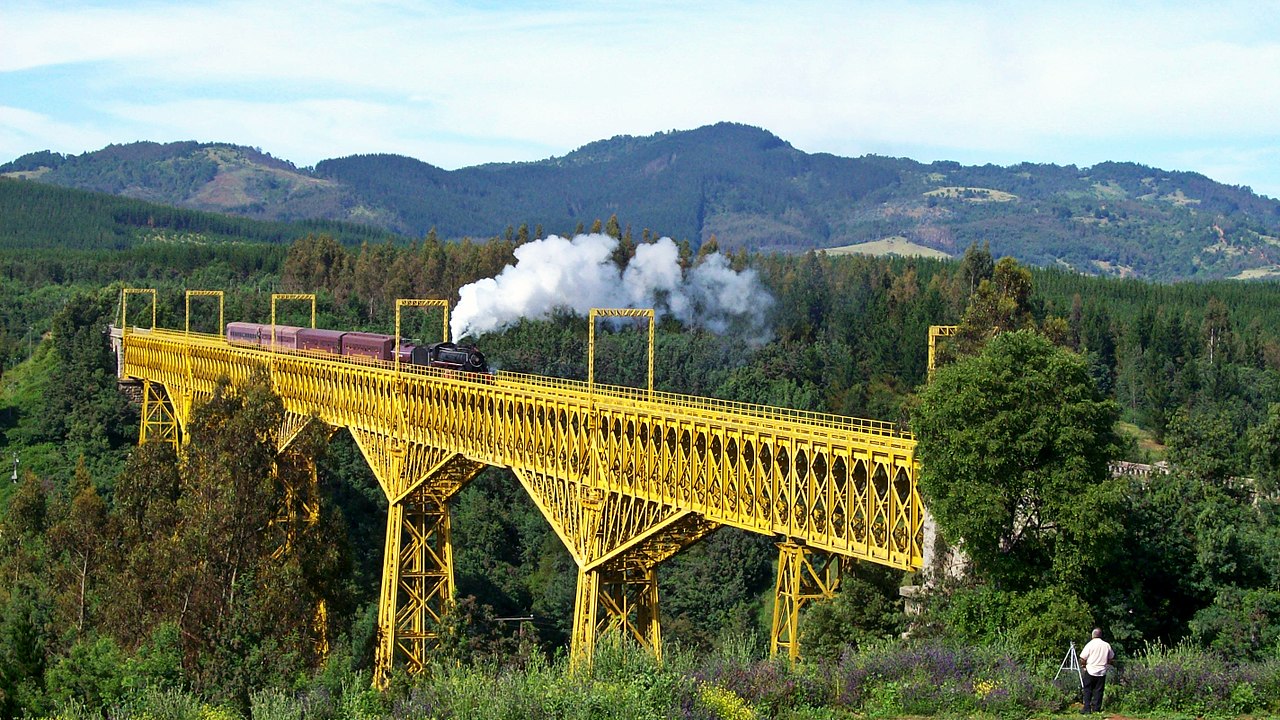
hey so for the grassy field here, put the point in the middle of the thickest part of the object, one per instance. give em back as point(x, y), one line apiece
point(972, 194)
point(896, 245)
point(1148, 448)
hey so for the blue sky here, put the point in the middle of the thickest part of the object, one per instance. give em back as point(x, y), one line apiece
point(1180, 86)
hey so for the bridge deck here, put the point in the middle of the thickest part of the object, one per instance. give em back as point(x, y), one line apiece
point(838, 484)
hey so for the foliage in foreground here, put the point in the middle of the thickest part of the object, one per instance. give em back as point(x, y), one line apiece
point(885, 680)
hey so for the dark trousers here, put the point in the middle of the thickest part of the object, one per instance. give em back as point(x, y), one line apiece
point(1093, 685)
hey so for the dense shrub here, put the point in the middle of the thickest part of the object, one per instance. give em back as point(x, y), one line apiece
point(1187, 679)
point(885, 680)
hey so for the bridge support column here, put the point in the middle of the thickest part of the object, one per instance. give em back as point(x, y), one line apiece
point(586, 605)
point(803, 576)
point(417, 582)
point(159, 420)
point(299, 511)
point(629, 598)
point(417, 562)
point(618, 542)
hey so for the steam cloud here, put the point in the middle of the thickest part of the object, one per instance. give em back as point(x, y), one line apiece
point(579, 274)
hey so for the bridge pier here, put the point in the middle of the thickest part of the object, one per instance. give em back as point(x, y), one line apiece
point(804, 575)
point(417, 563)
point(159, 422)
point(417, 583)
point(299, 511)
point(628, 597)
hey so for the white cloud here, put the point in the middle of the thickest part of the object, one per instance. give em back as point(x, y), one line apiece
point(23, 131)
point(457, 84)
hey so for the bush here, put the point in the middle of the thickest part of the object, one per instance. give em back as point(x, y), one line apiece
point(881, 680)
point(91, 673)
point(932, 678)
point(770, 686)
point(1183, 679)
point(1240, 623)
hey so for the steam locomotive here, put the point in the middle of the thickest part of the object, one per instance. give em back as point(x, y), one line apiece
point(371, 346)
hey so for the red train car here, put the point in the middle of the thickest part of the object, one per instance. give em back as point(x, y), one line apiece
point(368, 345)
point(286, 337)
point(243, 333)
point(327, 341)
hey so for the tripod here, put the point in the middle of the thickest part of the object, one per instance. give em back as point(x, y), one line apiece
point(1071, 664)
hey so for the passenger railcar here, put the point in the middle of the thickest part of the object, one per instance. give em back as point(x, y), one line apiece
point(370, 346)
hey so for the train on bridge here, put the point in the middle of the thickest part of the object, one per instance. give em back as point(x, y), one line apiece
point(627, 478)
point(371, 346)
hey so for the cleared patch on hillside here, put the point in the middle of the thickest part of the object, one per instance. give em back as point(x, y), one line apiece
point(1178, 198)
point(1223, 249)
point(896, 245)
point(972, 194)
point(1114, 269)
point(1109, 190)
point(27, 174)
point(1148, 448)
point(1266, 238)
point(1259, 273)
point(240, 182)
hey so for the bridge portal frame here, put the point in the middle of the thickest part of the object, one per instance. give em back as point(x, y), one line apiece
point(206, 293)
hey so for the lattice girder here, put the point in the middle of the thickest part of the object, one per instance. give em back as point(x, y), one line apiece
point(761, 469)
point(291, 427)
point(651, 460)
point(597, 528)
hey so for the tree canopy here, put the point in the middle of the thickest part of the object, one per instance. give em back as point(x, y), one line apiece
point(1014, 444)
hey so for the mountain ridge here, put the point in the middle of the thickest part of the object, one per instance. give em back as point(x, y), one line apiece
point(743, 184)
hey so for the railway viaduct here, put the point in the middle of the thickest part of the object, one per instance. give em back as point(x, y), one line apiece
point(626, 477)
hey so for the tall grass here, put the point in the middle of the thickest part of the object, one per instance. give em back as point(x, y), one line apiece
point(892, 679)
point(1189, 680)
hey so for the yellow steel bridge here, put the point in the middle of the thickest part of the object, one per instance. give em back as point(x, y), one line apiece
point(626, 477)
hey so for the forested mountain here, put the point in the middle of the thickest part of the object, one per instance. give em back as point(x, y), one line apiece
point(42, 217)
point(744, 185)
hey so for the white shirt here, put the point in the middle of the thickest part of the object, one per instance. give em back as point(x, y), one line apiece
point(1097, 655)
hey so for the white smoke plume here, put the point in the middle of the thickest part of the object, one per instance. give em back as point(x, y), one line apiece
point(556, 274)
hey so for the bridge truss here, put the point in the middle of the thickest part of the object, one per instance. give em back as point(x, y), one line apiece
point(626, 477)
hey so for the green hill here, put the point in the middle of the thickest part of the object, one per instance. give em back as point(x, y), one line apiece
point(742, 184)
point(36, 216)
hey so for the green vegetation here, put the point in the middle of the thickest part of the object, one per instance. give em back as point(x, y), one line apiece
point(741, 184)
point(141, 583)
point(1014, 446)
point(41, 217)
point(882, 680)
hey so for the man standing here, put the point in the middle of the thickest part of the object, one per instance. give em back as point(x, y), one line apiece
point(1095, 658)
